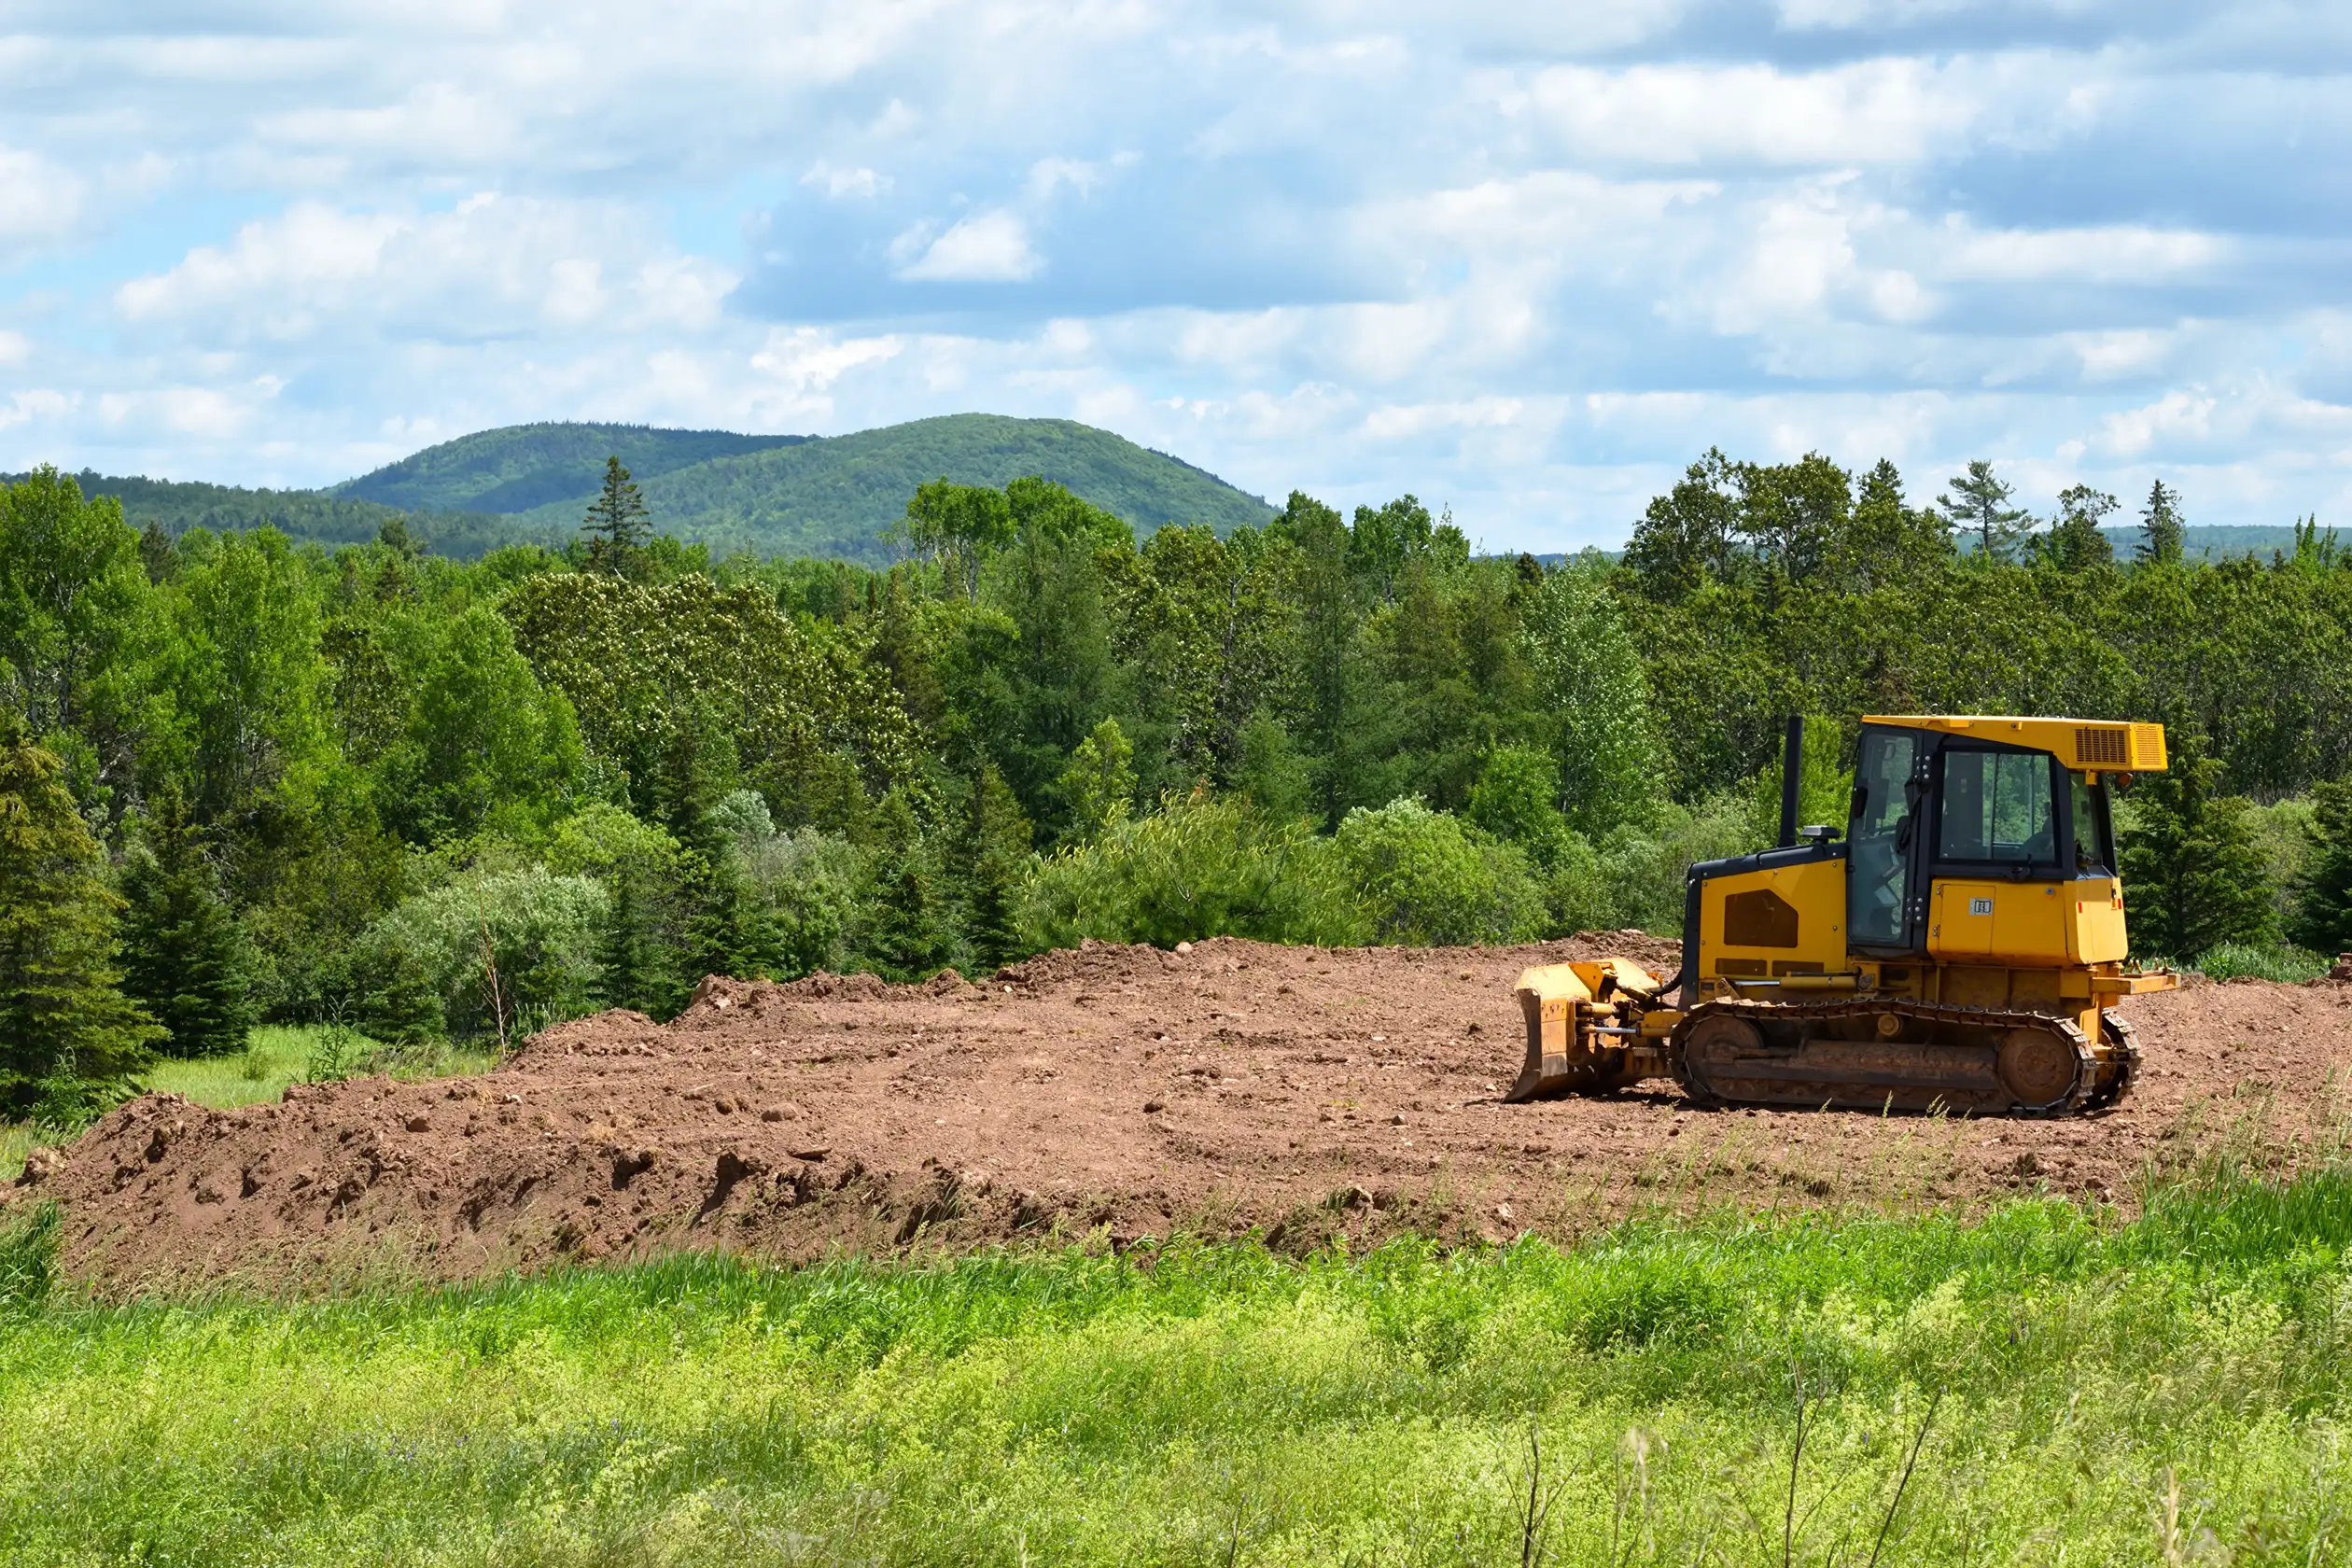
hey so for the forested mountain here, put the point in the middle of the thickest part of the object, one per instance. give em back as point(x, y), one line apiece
point(770, 495)
point(436, 796)
point(520, 467)
point(796, 495)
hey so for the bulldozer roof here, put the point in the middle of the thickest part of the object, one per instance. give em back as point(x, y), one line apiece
point(2090, 745)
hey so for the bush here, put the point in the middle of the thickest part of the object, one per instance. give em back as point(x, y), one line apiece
point(1427, 880)
point(1643, 868)
point(542, 929)
point(1198, 867)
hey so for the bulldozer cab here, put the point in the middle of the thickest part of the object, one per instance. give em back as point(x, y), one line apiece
point(1978, 804)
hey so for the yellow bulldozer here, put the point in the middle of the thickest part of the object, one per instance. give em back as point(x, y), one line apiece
point(1958, 945)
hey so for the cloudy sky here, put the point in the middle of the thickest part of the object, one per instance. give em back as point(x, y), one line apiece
point(1526, 264)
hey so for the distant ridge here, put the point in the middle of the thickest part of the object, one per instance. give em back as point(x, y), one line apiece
point(794, 494)
point(525, 466)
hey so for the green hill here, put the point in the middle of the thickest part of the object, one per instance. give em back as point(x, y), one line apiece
point(797, 495)
point(525, 466)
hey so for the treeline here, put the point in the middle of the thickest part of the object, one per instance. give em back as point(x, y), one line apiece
point(430, 798)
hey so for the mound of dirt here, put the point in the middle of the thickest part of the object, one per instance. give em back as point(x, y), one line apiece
point(1112, 1091)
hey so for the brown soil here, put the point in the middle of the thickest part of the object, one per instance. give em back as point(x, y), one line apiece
point(1111, 1093)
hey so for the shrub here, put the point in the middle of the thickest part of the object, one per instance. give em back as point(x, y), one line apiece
point(541, 928)
point(1643, 868)
point(1426, 879)
point(1201, 866)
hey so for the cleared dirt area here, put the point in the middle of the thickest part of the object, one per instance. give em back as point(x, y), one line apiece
point(1111, 1093)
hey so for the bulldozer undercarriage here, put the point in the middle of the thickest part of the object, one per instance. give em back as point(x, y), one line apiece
point(1901, 1055)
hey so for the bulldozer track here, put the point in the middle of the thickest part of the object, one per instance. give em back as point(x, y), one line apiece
point(2126, 1040)
point(1967, 1070)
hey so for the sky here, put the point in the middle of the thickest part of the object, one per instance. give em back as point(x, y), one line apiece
point(1524, 260)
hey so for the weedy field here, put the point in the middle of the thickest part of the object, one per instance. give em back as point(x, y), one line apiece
point(2046, 1383)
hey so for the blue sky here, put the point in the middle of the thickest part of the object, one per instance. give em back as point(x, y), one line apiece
point(1525, 261)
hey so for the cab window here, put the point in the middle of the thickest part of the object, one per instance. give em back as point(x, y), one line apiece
point(1998, 809)
point(2092, 856)
point(1879, 838)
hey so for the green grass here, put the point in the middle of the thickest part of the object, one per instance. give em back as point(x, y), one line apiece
point(2171, 1390)
point(2276, 961)
point(275, 1055)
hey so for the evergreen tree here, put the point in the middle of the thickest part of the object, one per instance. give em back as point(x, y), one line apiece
point(2323, 893)
point(617, 526)
point(184, 957)
point(159, 557)
point(403, 1007)
point(994, 856)
point(909, 939)
point(70, 1040)
point(627, 975)
point(2193, 877)
point(2163, 534)
point(730, 933)
point(1980, 504)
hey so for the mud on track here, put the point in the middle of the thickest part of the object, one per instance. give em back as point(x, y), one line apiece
point(1113, 1093)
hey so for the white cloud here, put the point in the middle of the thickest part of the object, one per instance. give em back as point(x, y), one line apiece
point(490, 266)
point(1526, 257)
point(986, 247)
point(1877, 111)
point(836, 181)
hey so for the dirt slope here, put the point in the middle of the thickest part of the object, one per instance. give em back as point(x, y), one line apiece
point(1118, 1090)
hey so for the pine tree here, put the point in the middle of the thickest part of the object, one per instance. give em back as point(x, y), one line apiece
point(2323, 893)
point(184, 957)
point(2163, 536)
point(908, 940)
point(617, 524)
point(627, 975)
point(993, 859)
point(1983, 508)
point(70, 1040)
point(2193, 877)
point(403, 1007)
point(730, 933)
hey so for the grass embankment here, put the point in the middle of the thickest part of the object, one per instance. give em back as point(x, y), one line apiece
point(275, 1055)
point(2170, 1389)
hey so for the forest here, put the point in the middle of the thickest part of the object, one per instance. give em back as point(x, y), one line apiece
point(244, 780)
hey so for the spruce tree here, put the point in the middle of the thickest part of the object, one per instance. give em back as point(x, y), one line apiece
point(993, 859)
point(70, 1041)
point(184, 957)
point(2323, 893)
point(908, 940)
point(617, 524)
point(627, 975)
point(404, 1007)
point(730, 933)
point(2163, 536)
point(2193, 877)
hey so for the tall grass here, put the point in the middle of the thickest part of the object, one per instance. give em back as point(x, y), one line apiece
point(2111, 1393)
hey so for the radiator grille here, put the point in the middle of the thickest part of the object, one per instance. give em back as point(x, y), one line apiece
point(2104, 747)
point(2148, 745)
